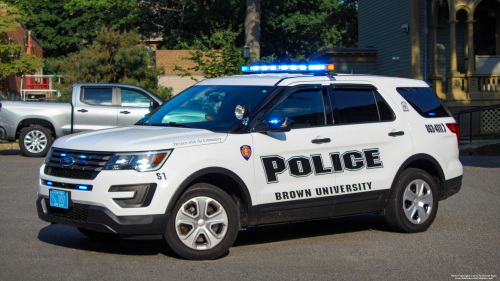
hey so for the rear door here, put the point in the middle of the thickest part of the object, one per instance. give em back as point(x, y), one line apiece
point(373, 140)
point(133, 106)
point(96, 109)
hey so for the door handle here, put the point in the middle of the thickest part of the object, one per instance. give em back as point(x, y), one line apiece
point(395, 134)
point(82, 110)
point(125, 112)
point(321, 140)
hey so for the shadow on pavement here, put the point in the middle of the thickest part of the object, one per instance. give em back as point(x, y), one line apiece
point(481, 161)
point(70, 237)
point(11, 152)
point(309, 229)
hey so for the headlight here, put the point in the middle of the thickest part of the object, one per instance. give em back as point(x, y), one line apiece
point(140, 161)
point(48, 156)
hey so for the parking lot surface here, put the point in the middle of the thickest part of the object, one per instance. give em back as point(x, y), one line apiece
point(463, 240)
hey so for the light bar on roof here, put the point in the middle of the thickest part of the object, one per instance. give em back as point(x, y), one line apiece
point(288, 68)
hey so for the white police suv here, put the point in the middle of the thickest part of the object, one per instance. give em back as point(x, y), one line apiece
point(249, 150)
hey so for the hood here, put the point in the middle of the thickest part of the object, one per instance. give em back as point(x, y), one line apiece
point(139, 138)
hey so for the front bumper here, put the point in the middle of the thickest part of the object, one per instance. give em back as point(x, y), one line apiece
point(100, 219)
point(452, 187)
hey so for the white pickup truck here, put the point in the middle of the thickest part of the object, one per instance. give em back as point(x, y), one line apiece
point(93, 106)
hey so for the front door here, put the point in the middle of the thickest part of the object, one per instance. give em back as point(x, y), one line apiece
point(295, 165)
point(133, 106)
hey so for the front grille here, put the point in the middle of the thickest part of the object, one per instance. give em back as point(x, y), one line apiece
point(87, 164)
point(76, 213)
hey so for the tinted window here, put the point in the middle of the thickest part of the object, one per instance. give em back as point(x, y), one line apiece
point(385, 112)
point(98, 96)
point(134, 99)
point(304, 109)
point(356, 105)
point(208, 107)
point(424, 102)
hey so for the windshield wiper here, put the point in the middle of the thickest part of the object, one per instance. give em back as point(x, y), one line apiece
point(173, 124)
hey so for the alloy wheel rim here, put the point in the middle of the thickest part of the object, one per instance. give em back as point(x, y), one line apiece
point(201, 223)
point(35, 141)
point(418, 201)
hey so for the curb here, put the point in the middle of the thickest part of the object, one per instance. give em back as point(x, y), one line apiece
point(481, 148)
point(9, 146)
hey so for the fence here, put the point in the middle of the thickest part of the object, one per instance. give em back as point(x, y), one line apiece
point(489, 120)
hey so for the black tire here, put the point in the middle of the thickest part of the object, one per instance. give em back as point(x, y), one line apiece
point(173, 233)
point(421, 212)
point(98, 236)
point(44, 135)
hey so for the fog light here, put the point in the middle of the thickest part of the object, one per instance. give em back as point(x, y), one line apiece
point(143, 194)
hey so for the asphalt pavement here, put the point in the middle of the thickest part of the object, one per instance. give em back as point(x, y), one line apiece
point(464, 241)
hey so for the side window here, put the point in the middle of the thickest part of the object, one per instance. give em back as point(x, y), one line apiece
point(356, 105)
point(385, 111)
point(97, 96)
point(132, 98)
point(424, 102)
point(304, 109)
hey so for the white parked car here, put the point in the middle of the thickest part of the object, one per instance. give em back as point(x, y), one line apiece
point(249, 150)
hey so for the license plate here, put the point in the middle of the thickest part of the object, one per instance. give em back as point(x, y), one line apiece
point(59, 198)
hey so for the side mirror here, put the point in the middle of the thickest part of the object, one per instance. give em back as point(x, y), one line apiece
point(273, 125)
point(241, 111)
point(154, 104)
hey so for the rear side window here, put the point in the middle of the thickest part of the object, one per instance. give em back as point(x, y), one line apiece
point(424, 102)
point(98, 96)
point(359, 105)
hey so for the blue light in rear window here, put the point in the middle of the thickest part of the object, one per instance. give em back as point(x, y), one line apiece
point(432, 113)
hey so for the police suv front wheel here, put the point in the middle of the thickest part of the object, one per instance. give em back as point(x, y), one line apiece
point(203, 224)
point(413, 204)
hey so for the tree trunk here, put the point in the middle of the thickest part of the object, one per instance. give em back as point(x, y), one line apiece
point(252, 28)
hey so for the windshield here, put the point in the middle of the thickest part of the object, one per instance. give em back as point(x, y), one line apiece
point(208, 107)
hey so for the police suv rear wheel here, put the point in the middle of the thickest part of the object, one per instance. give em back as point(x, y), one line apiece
point(203, 224)
point(413, 204)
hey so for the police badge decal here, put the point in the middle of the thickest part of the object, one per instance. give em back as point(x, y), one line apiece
point(246, 151)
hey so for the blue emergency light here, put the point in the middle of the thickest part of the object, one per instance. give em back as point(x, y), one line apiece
point(287, 68)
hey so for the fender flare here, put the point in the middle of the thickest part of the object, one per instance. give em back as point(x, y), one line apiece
point(407, 162)
point(210, 170)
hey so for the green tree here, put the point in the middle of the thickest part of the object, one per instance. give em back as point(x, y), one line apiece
point(117, 57)
point(215, 56)
point(12, 58)
point(185, 22)
point(64, 27)
point(295, 29)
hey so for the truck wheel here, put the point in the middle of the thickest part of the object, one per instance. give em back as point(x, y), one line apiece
point(413, 205)
point(203, 224)
point(35, 141)
point(98, 236)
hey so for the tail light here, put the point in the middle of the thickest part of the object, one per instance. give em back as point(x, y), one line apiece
point(454, 128)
